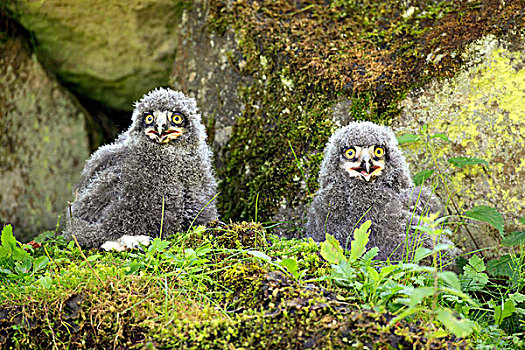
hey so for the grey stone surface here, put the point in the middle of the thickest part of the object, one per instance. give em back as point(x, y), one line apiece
point(43, 142)
point(109, 51)
point(209, 67)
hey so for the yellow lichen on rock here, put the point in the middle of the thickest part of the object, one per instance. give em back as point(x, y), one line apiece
point(481, 112)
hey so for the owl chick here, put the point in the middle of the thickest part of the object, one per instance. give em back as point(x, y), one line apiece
point(363, 177)
point(155, 179)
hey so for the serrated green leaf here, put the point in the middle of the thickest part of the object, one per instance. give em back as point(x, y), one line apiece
point(459, 326)
point(40, 263)
point(473, 281)
point(517, 297)
point(20, 254)
point(407, 138)
point(5, 251)
point(41, 238)
point(370, 254)
point(477, 263)
point(474, 278)
point(522, 220)
point(520, 311)
point(358, 244)
point(515, 238)
point(503, 310)
point(331, 250)
point(487, 214)
point(7, 238)
point(422, 176)
point(464, 161)
point(504, 266)
point(158, 245)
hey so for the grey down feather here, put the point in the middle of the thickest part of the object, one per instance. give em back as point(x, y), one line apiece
point(391, 202)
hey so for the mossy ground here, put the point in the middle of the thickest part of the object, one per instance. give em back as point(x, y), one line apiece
point(304, 56)
point(203, 289)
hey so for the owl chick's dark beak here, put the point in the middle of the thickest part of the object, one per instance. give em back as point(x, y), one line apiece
point(162, 135)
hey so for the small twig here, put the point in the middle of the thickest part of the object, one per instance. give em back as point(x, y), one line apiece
point(70, 213)
point(51, 329)
point(86, 260)
point(161, 218)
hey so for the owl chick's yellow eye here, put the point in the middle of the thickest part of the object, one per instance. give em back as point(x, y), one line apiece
point(149, 119)
point(379, 152)
point(350, 153)
point(177, 119)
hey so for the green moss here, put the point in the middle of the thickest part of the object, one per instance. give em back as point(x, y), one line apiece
point(304, 56)
point(290, 317)
point(190, 292)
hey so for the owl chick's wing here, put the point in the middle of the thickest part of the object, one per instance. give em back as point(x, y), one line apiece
point(421, 201)
point(105, 157)
point(99, 187)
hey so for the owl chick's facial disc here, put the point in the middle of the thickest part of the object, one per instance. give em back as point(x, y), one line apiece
point(167, 117)
point(364, 162)
point(164, 126)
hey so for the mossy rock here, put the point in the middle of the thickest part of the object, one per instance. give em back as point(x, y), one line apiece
point(477, 115)
point(112, 52)
point(290, 316)
point(43, 141)
point(286, 75)
point(235, 235)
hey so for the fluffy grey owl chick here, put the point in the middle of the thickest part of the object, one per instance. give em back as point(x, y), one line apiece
point(162, 160)
point(364, 176)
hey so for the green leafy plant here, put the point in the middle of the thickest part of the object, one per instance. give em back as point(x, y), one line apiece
point(486, 214)
point(289, 266)
point(474, 277)
point(406, 288)
point(14, 260)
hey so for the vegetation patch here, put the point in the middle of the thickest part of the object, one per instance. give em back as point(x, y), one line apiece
point(277, 293)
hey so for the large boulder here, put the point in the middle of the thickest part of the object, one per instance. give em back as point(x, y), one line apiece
point(43, 141)
point(274, 80)
point(109, 51)
point(471, 131)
